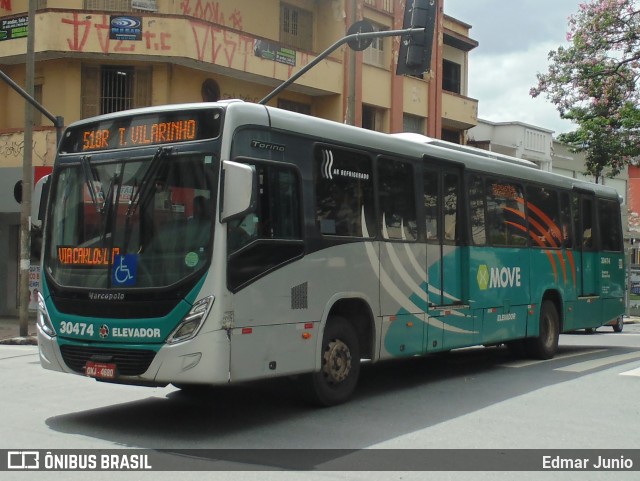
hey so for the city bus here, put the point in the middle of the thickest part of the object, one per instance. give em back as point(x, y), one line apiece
point(214, 243)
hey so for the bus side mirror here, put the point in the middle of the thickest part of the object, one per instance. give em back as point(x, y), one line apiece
point(39, 201)
point(239, 190)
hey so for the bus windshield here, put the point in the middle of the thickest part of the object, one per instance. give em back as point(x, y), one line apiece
point(139, 222)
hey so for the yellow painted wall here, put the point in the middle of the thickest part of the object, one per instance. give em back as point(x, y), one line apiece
point(61, 89)
point(13, 115)
point(376, 86)
point(416, 96)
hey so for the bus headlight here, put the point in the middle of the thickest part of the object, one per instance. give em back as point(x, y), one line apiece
point(44, 322)
point(192, 322)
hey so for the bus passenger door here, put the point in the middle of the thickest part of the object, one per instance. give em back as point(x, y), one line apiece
point(587, 305)
point(403, 297)
point(447, 325)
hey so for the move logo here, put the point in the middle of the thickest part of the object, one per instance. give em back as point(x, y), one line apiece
point(498, 277)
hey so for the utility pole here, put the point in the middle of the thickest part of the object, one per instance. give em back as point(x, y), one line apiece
point(27, 174)
point(351, 81)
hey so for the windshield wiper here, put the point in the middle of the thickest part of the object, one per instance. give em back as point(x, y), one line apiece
point(147, 183)
point(90, 177)
point(109, 204)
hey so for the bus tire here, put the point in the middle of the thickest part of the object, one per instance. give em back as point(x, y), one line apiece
point(545, 344)
point(336, 380)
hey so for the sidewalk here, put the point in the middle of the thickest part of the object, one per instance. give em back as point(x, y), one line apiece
point(10, 331)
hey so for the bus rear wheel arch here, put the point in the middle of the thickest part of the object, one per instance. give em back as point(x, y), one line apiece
point(545, 344)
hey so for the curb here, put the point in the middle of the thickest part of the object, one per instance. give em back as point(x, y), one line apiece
point(20, 341)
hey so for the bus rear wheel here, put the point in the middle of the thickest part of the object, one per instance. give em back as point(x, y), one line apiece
point(336, 380)
point(545, 344)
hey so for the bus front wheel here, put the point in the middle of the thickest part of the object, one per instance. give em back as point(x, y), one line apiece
point(336, 380)
point(545, 344)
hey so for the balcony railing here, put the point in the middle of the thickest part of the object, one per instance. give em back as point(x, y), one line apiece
point(385, 5)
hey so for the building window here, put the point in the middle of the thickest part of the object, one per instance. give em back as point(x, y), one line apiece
point(451, 76)
point(294, 106)
point(110, 5)
point(534, 141)
point(110, 88)
point(372, 118)
point(386, 5)
point(296, 27)
point(117, 89)
point(374, 54)
point(413, 124)
point(451, 136)
point(121, 5)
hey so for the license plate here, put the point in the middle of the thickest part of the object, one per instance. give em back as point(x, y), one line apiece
point(100, 370)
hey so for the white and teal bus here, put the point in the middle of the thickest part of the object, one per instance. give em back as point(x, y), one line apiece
point(215, 243)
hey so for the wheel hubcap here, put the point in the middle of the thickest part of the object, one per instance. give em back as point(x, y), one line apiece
point(337, 361)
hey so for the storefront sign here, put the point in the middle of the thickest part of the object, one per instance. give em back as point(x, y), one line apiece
point(125, 27)
point(14, 28)
point(271, 51)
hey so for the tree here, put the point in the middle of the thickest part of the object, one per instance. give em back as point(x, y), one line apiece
point(594, 83)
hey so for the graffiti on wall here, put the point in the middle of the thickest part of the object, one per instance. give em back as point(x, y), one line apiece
point(211, 12)
point(220, 46)
point(233, 95)
point(83, 29)
point(12, 148)
point(217, 36)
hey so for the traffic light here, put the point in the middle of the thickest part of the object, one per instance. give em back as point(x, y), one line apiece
point(415, 49)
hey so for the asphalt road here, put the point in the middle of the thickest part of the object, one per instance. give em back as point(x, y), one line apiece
point(588, 397)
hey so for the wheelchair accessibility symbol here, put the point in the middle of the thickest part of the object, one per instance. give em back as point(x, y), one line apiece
point(125, 270)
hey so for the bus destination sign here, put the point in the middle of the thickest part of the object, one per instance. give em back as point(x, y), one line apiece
point(146, 130)
point(154, 133)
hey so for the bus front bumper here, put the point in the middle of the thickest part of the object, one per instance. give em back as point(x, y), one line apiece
point(201, 360)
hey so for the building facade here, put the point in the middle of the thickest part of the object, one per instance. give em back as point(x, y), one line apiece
point(516, 139)
point(100, 56)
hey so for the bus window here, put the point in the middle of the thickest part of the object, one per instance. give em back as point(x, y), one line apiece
point(610, 228)
point(441, 206)
point(544, 226)
point(587, 224)
point(431, 206)
point(344, 193)
point(476, 211)
point(397, 200)
point(278, 212)
point(505, 213)
point(575, 220)
point(276, 224)
point(450, 196)
point(566, 224)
